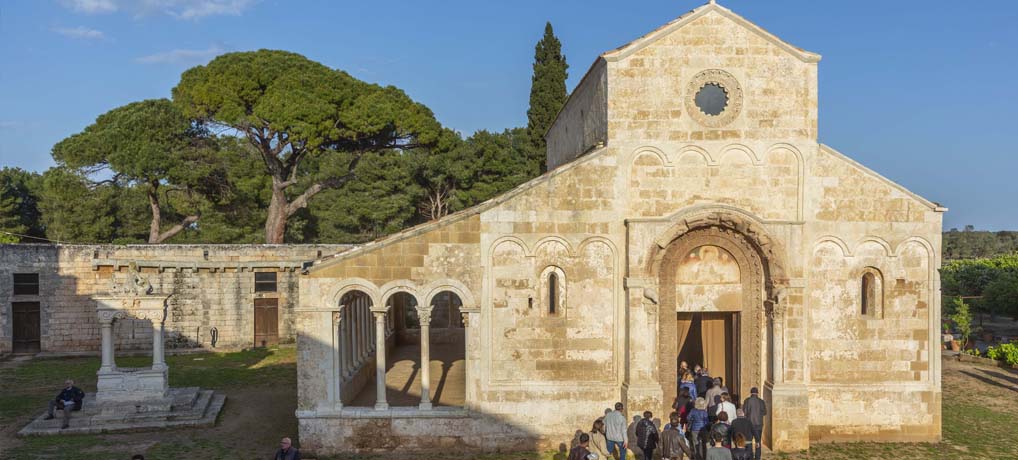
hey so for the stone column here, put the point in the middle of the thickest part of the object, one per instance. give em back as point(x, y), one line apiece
point(471, 323)
point(380, 403)
point(106, 332)
point(337, 363)
point(158, 353)
point(344, 339)
point(365, 337)
point(777, 317)
point(355, 336)
point(425, 316)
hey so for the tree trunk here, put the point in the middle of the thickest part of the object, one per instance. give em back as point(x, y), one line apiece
point(177, 228)
point(153, 202)
point(275, 222)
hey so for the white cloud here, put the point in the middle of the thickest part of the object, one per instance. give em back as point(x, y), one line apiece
point(81, 32)
point(92, 6)
point(181, 9)
point(182, 56)
point(194, 9)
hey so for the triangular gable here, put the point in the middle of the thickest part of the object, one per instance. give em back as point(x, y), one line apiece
point(642, 42)
point(933, 206)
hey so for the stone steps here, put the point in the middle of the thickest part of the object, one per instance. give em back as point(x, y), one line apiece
point(192, 407)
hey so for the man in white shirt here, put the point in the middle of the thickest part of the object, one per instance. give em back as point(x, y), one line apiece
point(615, 428)
point(727, 406)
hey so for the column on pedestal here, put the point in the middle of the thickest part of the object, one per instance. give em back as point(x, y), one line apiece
point(106, 333)
point(158, 353)
point(425, 316)
point(380, 403)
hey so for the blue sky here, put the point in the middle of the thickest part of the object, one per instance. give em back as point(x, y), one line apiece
point(922, 91)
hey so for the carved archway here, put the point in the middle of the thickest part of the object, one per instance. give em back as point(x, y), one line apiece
point(763, 283)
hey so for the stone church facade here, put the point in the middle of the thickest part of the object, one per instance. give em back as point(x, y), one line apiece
point(688, 211)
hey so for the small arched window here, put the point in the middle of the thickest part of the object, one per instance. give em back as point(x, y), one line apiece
point(871, 295)
point(552, 290)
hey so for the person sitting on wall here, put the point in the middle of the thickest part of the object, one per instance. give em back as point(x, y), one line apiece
point(69, 399)
point(287, 451)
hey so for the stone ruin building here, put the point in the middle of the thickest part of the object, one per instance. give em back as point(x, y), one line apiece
point(689, 213)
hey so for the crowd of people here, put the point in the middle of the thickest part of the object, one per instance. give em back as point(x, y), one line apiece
point(706, 423)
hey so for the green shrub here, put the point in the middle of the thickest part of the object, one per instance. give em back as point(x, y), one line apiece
point(1007, 352)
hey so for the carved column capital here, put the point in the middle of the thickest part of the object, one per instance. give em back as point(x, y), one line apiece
point(424, 314)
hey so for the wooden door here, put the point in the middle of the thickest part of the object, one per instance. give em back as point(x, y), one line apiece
point(711, 340)
point(266, 329)
point(27, 328)
point(716, 341)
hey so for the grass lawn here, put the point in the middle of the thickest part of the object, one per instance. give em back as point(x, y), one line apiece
point(260, 385)
point(980, 413)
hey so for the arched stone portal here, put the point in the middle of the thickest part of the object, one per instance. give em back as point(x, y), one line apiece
point(711, 281)
point(741, 287)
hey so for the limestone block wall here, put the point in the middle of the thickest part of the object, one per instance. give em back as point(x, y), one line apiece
point(650, 91)
point(862, 223)
point(421, 261)
point(212, 286)
point(583, 121)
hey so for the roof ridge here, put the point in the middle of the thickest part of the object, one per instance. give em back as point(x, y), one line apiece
point(646, 39)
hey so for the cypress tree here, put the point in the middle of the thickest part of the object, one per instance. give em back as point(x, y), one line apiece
point(547, 92)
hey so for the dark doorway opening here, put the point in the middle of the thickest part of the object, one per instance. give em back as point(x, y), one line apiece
point(711, 340)
point(27, 327)
point(266, 322)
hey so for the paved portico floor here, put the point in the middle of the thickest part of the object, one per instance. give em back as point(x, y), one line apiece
point(403, 377)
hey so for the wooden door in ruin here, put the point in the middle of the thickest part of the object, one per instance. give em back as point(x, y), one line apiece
point(27, 327)
point(266, 324)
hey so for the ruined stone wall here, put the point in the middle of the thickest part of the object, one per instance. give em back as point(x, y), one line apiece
point(212, 286)
point(583, 121)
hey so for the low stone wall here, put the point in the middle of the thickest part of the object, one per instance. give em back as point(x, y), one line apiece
point(904, 412)
point(454, 432)
point(212, 290)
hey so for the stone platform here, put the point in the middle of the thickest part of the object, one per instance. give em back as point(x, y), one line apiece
point(190, 407)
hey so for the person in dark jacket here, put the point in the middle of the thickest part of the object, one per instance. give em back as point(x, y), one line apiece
point(741, 425)
point(755, 409)
point(580, 452)
point(739, 449)
point(69, 399)
point(723, 429)
point(683, 404)
point(703, 382)
point(287, 451)
point(647, 436)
